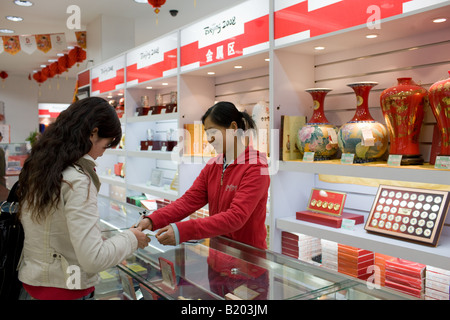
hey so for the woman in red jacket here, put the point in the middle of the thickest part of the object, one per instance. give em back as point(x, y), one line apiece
point(234, 185)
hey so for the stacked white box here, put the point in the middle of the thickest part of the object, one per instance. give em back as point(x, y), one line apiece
point(300, 246)
point(329, 254)
point(437, 284)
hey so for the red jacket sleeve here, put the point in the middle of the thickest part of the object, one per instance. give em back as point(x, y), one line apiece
point(252, 189)
point(193, 199)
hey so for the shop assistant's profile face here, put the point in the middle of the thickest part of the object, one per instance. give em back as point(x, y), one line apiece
point(217, 135)
point(99, 145)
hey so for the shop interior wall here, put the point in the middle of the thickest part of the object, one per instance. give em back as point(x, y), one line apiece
point(22, 96)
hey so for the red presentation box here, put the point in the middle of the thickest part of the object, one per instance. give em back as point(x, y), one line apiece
point(326, 220)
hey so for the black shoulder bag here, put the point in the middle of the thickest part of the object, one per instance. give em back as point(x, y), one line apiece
point(11, 244)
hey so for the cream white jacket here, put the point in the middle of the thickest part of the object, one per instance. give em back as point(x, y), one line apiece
point(67, 250)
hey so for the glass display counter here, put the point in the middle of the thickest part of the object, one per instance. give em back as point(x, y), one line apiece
point(219, 268)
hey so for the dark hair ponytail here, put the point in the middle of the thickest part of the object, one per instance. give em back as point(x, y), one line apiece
point(224, 113)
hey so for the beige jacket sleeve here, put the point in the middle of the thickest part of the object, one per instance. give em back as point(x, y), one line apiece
point(93, 253)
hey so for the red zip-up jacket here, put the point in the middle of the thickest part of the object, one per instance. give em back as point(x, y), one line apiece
point(237, 199)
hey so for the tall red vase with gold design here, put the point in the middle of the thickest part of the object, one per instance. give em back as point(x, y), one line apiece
point(439, 95)
point(403, 109)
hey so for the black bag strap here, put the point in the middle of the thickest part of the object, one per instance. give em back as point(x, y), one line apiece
point(12, 196)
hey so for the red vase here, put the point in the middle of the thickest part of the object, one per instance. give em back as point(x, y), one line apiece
point(366, 138)
point(439, 95)
point(403, 110)
point(317, 135)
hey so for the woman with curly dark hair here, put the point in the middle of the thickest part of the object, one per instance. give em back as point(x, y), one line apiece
point(63, 248)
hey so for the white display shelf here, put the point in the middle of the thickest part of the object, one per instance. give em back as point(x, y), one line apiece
point(435, 256)
point(113, 180)
point(159, 155)
point(155, 191)
point(376, 170)
point(116, 152)
point(155, 117)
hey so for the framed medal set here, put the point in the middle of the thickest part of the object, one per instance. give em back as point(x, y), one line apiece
point(409, 213)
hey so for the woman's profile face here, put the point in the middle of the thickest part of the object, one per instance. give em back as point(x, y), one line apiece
point(99, 145)
point(217, 135)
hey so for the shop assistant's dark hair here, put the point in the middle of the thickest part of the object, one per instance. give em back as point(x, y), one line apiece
point(224, 113)
point(63, 143)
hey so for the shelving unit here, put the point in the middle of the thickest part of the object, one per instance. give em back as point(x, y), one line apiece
point(408, 44)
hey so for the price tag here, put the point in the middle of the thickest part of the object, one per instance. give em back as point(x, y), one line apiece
point(308, 157)
point(333, 136)
point(395, 160)
point(347, 158)
point(348, 224)
point(368, 139)
point(442, 162)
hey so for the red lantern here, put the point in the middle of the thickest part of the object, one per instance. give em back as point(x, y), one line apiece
point(72, 58)
point(156, 4)
point(63, 62)
point(39, 77)
point(80, 54)
point(3, 75)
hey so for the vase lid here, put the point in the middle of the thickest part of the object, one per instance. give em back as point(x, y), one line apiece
point(362, 83)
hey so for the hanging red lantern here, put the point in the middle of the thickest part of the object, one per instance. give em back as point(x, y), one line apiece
point(3, 75)
point(80, 54)
point(157, 4)
point(72, 58)
point(39, 77)
point(63, 62)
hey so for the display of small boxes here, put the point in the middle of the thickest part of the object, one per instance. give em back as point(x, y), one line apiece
point(300, 246)
point(329, 254)
point(406, 276)
point(437, 284)
point(355, 262)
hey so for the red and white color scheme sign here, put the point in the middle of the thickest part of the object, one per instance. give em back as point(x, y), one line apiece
point(238, 31)
point(153, 60)
point(109, 76)
point(297, 20)
point(84, 78)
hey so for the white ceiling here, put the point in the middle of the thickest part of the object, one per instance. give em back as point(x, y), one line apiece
point(50, 16)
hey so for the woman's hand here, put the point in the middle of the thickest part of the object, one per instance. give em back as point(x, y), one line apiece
point(141, 237)
point(166, 236)
point(144, 224)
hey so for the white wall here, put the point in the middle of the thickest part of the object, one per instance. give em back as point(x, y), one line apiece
point(22, 96)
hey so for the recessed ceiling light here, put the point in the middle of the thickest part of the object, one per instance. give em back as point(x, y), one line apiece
point(141, 1)
point(165, 84)
point(267, 59)
point(238, 67)
point(6, 31)
point(60, 54)
point(52, 60)
point(14, 18)
point(319, 48)
point(43, 65)
point(70, 47)
point(439, 20)
point(149, 88)
point(23, 3)
point(371, 36)
point(211, 73)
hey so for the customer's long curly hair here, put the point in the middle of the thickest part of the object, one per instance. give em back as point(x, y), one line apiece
point(63, 143)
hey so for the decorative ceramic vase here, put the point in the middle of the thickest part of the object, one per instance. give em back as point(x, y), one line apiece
point(439, 95)
point(317, 134)
point(403, 110)
point(366, 138)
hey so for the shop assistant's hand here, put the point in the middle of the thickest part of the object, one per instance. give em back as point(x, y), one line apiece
point(166, 236)
point(145, 223)
point(141, 237)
